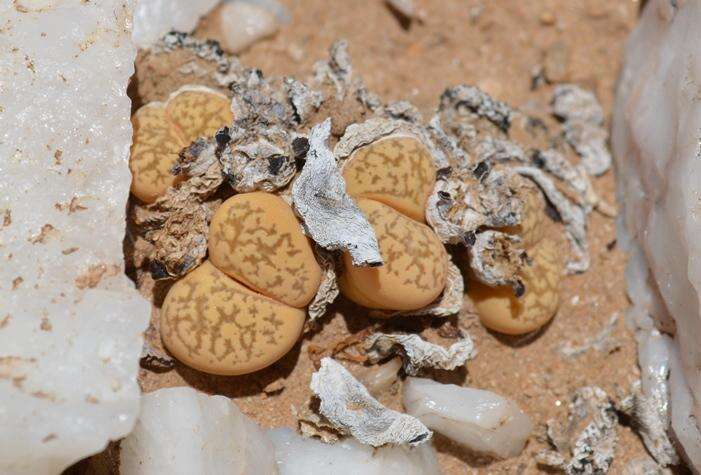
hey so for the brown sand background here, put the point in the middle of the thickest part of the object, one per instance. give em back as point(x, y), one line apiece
point(496, 45)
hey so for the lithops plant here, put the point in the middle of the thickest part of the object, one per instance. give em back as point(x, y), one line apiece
point(243, 309)
point(370, 217)
point(500, 309)
point(391, 179)
point(415, 268)
point(515, 313)
point(215, 324)
point(397, 171)
point(162, 130)
point(256, 239)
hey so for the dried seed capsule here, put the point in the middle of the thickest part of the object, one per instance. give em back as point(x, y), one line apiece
point(161, 130)
point(396, 171)
point(533, 221)
point(500, 310)
point(214, 324)
point(256, 239)
point(415, 268)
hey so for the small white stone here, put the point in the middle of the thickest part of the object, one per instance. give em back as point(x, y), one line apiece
point(480, 420)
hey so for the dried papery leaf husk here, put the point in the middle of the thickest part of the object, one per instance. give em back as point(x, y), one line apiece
point(328, 289)
point(583, 126)
point(496, 259)
point(576, 178)
point(330, 216)
point(177, 224)
point(350, 408)
point(454, 210)
point(256, 162)
point(365, 133)
point(467, 114)
point(178, 59)
point(587, 443)
point(494, 150)
point(417, 353)
point(573, 217)
point(305, 100)
point(346, 100)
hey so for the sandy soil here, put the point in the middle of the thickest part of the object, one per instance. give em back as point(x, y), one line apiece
point(496, 45)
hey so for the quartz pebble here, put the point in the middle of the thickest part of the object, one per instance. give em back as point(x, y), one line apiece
point(479, 420)
point(500, 310)
point(239, 24)
point(183, 432)
point(396, 171)
point(296, 455)
point(415, 269)
point(256, 239)
point(214, 324)
point(161, 130)
point(72, 323)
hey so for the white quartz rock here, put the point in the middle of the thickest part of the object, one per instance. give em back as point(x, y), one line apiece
point(154, 18)
point(297, 455)
point(480, 420)
point(71, 322)
point(656, 127)
point(183, 432)
point(242, 23)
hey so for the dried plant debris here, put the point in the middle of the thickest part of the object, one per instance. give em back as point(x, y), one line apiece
point(346, 404)
point(481, 189)
point(467, 104)
point(576, 177)
point(364, 133)
point(311, 424)
point(328, 289)
point(226, 68)
point(574, 217)
point(417, 353)
point(480, 172)
point(304, 100)
point(584, 129)
point(330, 216)
point(154, 358)
point(652, 398)
point(648, 407)
point(587, 442)
point(496, 259)
point(649, 415)
point(177, 224)
point(603, 342)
